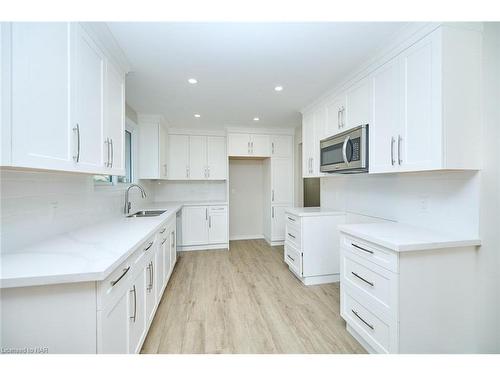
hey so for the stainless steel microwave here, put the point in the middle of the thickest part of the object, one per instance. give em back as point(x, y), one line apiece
point(346, 152)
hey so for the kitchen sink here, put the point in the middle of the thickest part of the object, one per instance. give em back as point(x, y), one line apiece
point(150, 213)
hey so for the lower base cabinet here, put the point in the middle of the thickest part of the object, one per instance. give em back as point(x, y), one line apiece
point(204, 227)
point(137, 320)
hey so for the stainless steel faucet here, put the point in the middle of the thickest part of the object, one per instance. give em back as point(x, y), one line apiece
point(127, 203)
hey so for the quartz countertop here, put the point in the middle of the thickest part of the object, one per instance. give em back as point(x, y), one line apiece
point(403, 237)
point(313, 211)
point(89, 253)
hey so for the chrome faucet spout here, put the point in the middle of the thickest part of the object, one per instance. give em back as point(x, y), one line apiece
point(127, 202)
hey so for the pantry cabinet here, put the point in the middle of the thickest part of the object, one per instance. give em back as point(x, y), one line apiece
point(252, 145)
point(204, 227)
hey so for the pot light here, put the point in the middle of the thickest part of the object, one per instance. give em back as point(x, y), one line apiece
point(278, 88)
point(192, 81)
point(256, 119)
point(197, 115)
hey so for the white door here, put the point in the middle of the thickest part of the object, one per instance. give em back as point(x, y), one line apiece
point(114, 322)
point(307, 144)
point(137, 311)
point(114, 144)
point(216, 158)
point(178, 157)
point(217, 224)
point(278, 223)
point(260, 145)
point(41, 131)
point(386, 118)
point(238, 144)
point(419, 139)
point(194, 225)
point(282, 146)
point(150, 289)
point(281, 180)
point(335, 111)
point(197, 157)
point(88, 102)
point(163, 150)
point(358, 104)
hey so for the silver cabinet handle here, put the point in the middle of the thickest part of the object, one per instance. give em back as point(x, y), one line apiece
point(392, 151)
point(272, 212)
point(152, 274)
point(344, 149)
point(289, 257)
point(106, 142)
point(135, 304)
point(342, 116)
point(291, 235)
point(206, 213)
point(291, 218)
point(210, 221)
point(125, 270)
point(163, 230)
point(76, 157)
point(272, 148)
point(112, 153)
point(162, 242)
point(338, 118)
point(149, 246)
point(251, 144)
point(399, 150)
point(360, 318)
point(272, 193)
point(362, 248)
point(208, 169)
point(363, 279)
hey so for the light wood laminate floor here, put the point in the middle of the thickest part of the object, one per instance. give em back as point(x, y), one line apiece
point(246, 301)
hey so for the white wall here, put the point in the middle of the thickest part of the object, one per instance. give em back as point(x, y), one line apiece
point(246, 196)
point(37, 205)
point(170, 191)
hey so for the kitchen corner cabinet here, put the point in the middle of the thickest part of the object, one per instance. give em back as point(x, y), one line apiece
point(153, 153)
point(204, 227)
point(251, 145)
point(67, 100)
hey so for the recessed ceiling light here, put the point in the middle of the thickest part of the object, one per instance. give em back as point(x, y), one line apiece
point(192, 81)
point(197, 115)
point(278, 88)
point(256, 119)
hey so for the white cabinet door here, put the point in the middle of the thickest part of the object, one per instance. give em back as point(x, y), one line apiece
point(173, 247)
point(217, 224)
point(358, 104)
point(307, 144)
point(178, 157)
point(278, 223)
point(319, 132)
point(150, 289)
point(281, 180)
point(216, 158)
point(41, 131)
point(114, 143)
point(335, 121)
point(159, 263)
point(114, 322)
point(386, 118)
point(197, 157)
point(282, 146)
point(419, 139)
point(238, 144)
point(88, 102)
point(167, 248)
point(194, 225)
point(137, 313)
point(163, 151)
point(260, 145)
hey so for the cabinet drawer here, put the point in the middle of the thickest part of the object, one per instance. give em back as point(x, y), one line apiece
point(374, 282)
point(292, 221)
point(374, 330)
point(374, 253)
point(293, 258)
point(293, 236)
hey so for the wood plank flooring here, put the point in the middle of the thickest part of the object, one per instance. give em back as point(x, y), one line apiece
point(246, 301)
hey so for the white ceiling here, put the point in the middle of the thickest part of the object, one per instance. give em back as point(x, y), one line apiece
point(237, 66)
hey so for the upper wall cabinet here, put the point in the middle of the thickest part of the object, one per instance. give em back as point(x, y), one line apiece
point(282, 146)
point(153, 148)
point(67, 100)
point(252, 145)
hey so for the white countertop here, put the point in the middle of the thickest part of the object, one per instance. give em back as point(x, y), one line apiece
point(313, 211)
point(90, 253)
point(402, 237)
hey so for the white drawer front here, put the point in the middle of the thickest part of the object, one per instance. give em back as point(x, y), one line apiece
point(377, 333)
point(293, 236)
point(292, 221)
point(373, 281)
point(293, 258)
point(376, 254)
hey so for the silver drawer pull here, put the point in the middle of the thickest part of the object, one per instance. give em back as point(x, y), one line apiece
point(163, 230)
point(362, 248)
point(290, 218)
point(135, 304)
point(360, 318)
point(291, 235)
point(149, 246)
point(289, 257)
point(125, 270)
point(162, 242)
point(363, 279)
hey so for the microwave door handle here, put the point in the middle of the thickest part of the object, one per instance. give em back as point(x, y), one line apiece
point(344, 150)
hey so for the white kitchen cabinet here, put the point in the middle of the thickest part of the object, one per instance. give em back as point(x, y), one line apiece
point(245, 144)
point(307, 144)
point(217, 224)
point(358, 104)
point(150, 288)
point(178, 157)
point(173, 247)
point(204, 227)
point(281, 180)
point(154, 148)
point(114, 322)
point(282, 146)
point(137, 313)
point(216, 158)
point(197, 157)
point(278, 222)
point(160, 262)
point(335, 116)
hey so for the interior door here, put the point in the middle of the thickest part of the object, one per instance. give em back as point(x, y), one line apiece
point(217, 224)
point(88, 80)
point(137, 311)
point(216, 158)
point(178, 157)
point(197, 157)
point(281, 180)
point(261, 145)
point(115, 119)
point(238, 144)
point(194, 225)
point(41, 130)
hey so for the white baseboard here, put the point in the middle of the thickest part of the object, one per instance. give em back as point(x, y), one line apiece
point(220, 246)
point(238, 237)
point(275, 243)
